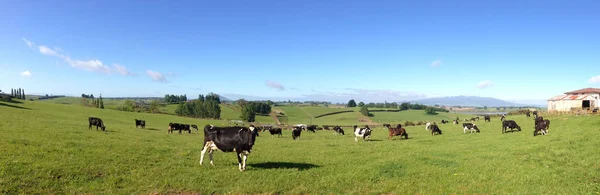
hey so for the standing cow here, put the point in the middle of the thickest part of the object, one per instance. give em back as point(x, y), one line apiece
point(398, 131)
point(140, 123)
point(362, 133)
point(229, 139)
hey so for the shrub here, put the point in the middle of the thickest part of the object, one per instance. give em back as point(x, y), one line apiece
point(364, 111)
point(409, 123)
point(431, 111)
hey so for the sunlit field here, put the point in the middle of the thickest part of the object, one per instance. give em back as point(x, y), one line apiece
point(47, 148)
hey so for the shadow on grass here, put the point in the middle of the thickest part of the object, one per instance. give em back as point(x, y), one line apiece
point(152, 129)
point(284, 165)
point(13, 106)
point(372, 140)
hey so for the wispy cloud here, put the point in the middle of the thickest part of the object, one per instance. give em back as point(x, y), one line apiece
point(157, 76)
point(26, 73)
point(595, 79)
point(94, 65)
point(275, 85)
point(436, 63)
point(122, 70)
point(484, 84)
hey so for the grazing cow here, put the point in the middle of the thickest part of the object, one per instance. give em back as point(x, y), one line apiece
point(471, 127)
point(527, 114)
point(96, 122)
point(229, 139)
point(486, 118)
point(427, 125)
point(275, 131)
point(535, 114)
point(435, 129)
point(444, 121)
point(311, 128)
point(195, 127)
point(540, 127)
point(475, 119)
point(338, 130)
point(296, 133)
point(362, 133)
point(398, 131)
point(180, 127)
point(455, 122)
point(387, 125)
point(510, 124)
point(140, 123)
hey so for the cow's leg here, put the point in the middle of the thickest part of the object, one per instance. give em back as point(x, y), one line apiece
point(355, 138)
point(244, 159)
point(202, 154)
point(210, 156)
point(239, 156)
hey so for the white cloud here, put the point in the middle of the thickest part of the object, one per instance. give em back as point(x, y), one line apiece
point(156, 76)
point(26, 74)
point(436, 63)
point(47, 51)
point(122, 70)
point(275, 85)
point(484, 84)
point(595, 80)
point(29, 43)
point(94, 65)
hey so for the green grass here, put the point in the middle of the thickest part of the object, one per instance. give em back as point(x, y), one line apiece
point(414, 115)
point(47, 149)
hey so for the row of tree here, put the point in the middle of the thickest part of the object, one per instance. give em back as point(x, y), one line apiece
point(18, 93)
point(87, 96)
point(174, 99)
point(251, 108)
point(203, 107)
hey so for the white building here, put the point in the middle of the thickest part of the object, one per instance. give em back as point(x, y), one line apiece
point(582, 99)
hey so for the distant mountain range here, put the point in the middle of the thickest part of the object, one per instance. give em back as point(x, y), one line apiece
point(470, 101)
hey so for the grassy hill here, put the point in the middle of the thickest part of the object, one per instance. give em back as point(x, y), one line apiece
point(414, 115)
point(47, 149)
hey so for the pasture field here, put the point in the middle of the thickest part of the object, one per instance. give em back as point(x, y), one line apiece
point(47, 149)
point(415, 115)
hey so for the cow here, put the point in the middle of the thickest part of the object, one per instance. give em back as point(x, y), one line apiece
point(338, 130)
point(427, 125)
point(140, 123)
point(455, 122)
point(180, 127)
point(387, 125)
point(435, 129)
point(311, 128)
point(547, 125)
point(444, 121)
point(527, 114)
point(471, 127)
point(195, 127)
point(362, 133)
point(540, 127)
point(96, 122)
point(486, 118)
point(475, 119)
point(535, 114)
point(275, 131)
point(510, 124)
point(503, 117)
point(296, 132)
point(398, 131)
point(229, 139)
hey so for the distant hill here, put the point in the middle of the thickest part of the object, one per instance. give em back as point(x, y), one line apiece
point(468, 101)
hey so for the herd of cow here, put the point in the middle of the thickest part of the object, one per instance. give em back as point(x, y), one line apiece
point(241, 139)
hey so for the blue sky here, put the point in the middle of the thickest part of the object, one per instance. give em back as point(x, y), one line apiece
point(524, 51)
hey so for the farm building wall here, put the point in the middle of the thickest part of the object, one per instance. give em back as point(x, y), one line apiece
point(563, 105)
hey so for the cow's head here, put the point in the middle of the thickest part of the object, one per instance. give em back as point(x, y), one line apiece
point(253, 134)
point(103, 128)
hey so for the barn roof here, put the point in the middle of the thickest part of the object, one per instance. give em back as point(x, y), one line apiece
point(584, 90)
point(568, 97)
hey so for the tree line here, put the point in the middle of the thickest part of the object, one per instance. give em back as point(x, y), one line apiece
point(17, 93)
point(203, 107)
point(94, 103)
point(251, 108)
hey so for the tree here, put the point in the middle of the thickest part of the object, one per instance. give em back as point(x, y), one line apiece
point(23, 91)
point(154, 106)
point(361, 104)
point(241, 102)
point(485, 107)
point(201, 97)
point(497, 108)
point(213, 96)
point(351, 103)
point(91, 95)
point(101, 103)
point(364, 111)
point(404, 106)
point(248, 114)
point(430, 111)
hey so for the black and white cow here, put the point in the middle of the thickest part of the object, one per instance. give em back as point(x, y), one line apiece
point(444, 121)
point(470, 127)
point(229, 139)
point(510, 124)
point(140, 123)
point(312, 128)
point(296, 132)
point(455, 122)
point(362, 133)
point(435, 129)
point(180, 127)
point(275, 131)
point(338, 130)
point(541, 127)
point(195, 127)
point(96, 122)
